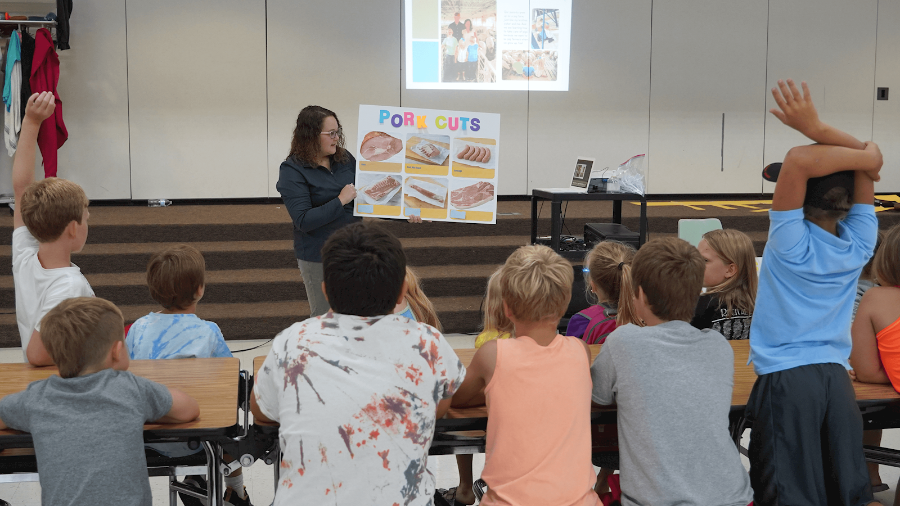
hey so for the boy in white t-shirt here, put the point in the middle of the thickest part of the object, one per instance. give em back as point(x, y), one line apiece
point(357, 390)
point(50, 223)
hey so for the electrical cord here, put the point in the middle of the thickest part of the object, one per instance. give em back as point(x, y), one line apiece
point(253, 348)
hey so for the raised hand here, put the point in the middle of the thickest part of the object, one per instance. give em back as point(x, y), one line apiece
point(796, 109)
point(40, 106)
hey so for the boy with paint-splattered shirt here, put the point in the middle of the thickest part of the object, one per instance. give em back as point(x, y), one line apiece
point(357, 390)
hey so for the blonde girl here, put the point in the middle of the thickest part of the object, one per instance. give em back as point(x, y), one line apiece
point(730, 280)
point(416, 305)
point(875, 354)
point(496, 324)
point(609, 279)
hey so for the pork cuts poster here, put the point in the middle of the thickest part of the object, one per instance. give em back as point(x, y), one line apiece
point(440, 165)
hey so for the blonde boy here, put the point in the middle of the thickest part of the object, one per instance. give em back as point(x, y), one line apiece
point(93, 408)
point(50, 221)
point(672, 384)
point(538, 388)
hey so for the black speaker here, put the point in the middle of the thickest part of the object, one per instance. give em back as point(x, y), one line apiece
point(598, 232)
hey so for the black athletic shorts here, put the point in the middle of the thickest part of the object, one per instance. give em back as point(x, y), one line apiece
point(806, 440)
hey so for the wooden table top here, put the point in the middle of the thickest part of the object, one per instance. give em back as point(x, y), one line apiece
point(213, 382)
point(744, 377)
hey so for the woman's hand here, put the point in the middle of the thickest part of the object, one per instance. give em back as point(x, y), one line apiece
point(347, 194)
point(415, 219)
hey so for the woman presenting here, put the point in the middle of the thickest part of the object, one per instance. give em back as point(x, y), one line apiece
point(316, 182)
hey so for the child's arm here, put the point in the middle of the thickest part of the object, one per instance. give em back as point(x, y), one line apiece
point(258, 415)
point(835, 152)
point(36, 353)
point(40, 107)
point(478, 375)
point(184, 408)
point(864, 357)
point(797, 111)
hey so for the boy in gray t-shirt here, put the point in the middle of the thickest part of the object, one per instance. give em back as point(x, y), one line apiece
point(672, 384)
point(91, 417)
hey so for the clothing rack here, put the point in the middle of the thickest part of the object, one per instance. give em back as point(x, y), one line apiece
point(25, 23)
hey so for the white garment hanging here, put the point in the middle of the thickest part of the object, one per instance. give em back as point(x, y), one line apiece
point(12, 123)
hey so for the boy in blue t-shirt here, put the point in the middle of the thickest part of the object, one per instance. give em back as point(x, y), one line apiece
point(176, 277)
point(805, 444)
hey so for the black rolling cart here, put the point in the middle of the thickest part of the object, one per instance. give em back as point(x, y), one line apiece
point(557, 196)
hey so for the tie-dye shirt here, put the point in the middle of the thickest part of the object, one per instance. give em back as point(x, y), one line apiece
point(159, 335)
point(356, 398)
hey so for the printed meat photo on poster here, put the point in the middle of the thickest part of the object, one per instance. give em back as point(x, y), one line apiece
point(468, 35)
point(380, 147)
point(427, 149)
point(472, 195)
point(378, 189)
point(420, 192)
point(474, 153)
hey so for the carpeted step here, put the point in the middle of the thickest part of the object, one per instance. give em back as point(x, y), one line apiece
point(265, 285)
point(133, 257)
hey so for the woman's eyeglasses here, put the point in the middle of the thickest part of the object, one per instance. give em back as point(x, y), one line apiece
point(334, 134)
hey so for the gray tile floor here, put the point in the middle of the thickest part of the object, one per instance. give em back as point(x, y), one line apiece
point(259, 477)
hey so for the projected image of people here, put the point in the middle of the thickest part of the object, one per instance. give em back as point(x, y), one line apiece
point(468, 36)
point(534, 65)
point(545, 29)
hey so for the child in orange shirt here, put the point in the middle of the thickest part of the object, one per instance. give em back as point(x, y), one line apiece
point(537, 372)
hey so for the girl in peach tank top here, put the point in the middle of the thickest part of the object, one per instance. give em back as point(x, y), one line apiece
point(875, 354)
point(538, 435)
point(889, 348)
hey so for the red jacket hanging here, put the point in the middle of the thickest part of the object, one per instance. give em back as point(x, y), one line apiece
point(44, 77)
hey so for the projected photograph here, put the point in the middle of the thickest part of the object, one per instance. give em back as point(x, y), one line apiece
point(425, 149)
point(533, 65)
point(421, 192)
point(468, 41)
point(545, 29)
point(378, 189)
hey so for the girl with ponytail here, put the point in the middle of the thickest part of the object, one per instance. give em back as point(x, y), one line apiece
point(608, 276)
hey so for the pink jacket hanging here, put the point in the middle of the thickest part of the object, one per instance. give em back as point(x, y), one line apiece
point(44, 77)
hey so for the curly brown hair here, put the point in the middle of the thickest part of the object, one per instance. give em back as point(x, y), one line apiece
point(305, 143)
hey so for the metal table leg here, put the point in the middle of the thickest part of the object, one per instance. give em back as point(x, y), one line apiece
point(555, 224)
point(215, 493)
point(617, 211)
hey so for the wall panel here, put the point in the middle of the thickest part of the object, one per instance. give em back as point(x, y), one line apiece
point(831, 45)
point(886, 120)
point(707, 96)
point(336, 54)
point(197, 88)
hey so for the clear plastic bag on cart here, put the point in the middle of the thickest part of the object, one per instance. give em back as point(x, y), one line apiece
point(631, 175)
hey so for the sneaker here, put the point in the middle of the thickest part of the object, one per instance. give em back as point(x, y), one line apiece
point(198, 482)
point(233, 499)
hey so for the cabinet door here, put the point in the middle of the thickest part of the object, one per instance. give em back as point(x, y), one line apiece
point(707, 86)
point(830, 44)
point(604, 113)
point(197, 98)
point(886, 120)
